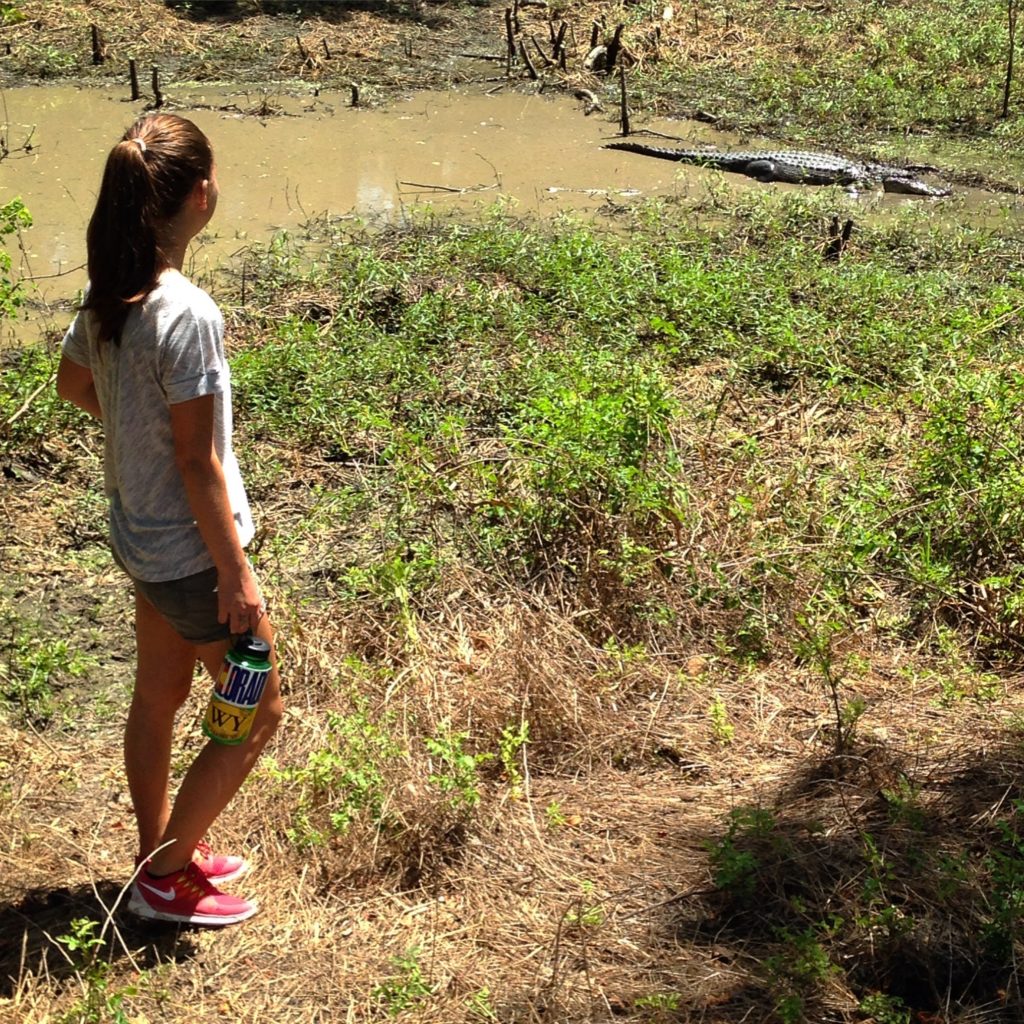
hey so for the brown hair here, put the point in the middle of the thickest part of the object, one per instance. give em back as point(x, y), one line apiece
point(148, 176)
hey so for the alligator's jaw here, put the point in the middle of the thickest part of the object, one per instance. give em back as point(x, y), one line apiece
point(913, 187)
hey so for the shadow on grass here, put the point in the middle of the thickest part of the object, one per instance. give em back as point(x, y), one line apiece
point(30, 929)
point(875, 877)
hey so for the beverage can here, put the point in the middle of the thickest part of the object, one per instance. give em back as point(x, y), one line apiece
point(237, 691)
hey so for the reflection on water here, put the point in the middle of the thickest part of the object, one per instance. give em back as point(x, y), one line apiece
point(319, 158)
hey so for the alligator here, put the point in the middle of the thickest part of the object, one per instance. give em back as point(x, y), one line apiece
point(795, 167)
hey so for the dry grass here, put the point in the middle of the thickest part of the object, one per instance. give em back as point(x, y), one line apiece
point(570, 897)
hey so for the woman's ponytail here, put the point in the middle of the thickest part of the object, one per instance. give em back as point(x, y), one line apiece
point(148, 176)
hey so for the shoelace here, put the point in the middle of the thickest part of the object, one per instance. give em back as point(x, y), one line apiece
point(196, 882)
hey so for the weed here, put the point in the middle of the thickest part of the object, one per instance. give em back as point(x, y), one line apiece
point(721, 728)
point(658, 1002)
point(795, 974)
point(1005, 867)
point(735, 865)
point(511, 745)
point(585, 914)
point(815, 645)
point(11, 13)
point(480, 1005)
point(341, 780)
point(13, 218)
point(29, 407)
point(100, 1004)
point(34, 668)
point(904, 801)
point(457, 772)
point(885, 1009)
point(554, 815)
point(881, 915)
point(406, 988)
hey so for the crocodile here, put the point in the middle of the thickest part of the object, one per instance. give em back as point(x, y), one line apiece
point(794, 166)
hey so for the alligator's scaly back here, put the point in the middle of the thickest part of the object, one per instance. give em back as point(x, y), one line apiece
point(795, 166)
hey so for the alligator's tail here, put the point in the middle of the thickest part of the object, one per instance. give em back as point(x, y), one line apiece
point(659, 151)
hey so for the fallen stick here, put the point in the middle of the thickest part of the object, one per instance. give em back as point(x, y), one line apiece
point(530, 69)
point(420, 186)
point(28, 401)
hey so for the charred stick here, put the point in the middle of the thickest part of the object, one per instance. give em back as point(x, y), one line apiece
point(99, 48)
point(624, 114)
point(540, 53)
point(510, 36)
point(133, 77)
point(531, 70)
point(558, 51)
point(613, 48)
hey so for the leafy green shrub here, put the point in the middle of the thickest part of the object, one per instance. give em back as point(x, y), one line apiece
point(343, 779)
point(962, 539)
point(13, 217)
point(30, 410)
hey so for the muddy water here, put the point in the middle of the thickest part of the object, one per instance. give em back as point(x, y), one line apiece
point(296, 159)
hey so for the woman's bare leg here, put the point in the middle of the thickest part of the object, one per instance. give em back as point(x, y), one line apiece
point(165, 665)
point(219, 770)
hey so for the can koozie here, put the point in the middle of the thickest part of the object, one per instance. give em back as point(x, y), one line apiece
point(237, 691)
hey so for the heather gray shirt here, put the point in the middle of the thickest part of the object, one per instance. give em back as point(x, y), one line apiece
point(171, 351)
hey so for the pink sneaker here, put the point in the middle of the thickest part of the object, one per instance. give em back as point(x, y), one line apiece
point(188, 897)
point(220, 867)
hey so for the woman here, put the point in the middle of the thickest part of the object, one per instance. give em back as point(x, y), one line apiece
point(145, 355)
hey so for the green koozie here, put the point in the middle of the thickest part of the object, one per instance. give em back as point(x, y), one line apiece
point(237, 691)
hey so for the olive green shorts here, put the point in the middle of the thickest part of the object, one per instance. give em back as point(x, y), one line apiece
point(189, 604)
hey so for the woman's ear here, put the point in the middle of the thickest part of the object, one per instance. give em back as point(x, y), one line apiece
point(201, 193)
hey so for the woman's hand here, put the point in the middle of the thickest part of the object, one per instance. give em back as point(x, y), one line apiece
point(240, 603)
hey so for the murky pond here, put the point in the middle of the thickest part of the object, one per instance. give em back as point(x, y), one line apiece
point(283, 161)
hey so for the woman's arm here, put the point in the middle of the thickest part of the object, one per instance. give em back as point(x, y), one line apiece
point(75, 384)
point(241, 605)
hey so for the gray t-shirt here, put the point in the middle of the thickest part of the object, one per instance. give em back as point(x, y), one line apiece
point(171, 351)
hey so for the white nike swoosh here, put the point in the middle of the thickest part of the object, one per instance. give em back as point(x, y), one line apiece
point(163, 894)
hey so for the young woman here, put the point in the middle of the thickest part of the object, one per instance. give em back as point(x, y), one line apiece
point(145, 354)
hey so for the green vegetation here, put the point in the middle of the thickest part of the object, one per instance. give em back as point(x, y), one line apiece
point(100, 1002)
point(34, 669)
point(886, 67)
point(528, 402)
point(407, 988)
point(13, 218)
point(342, 779)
